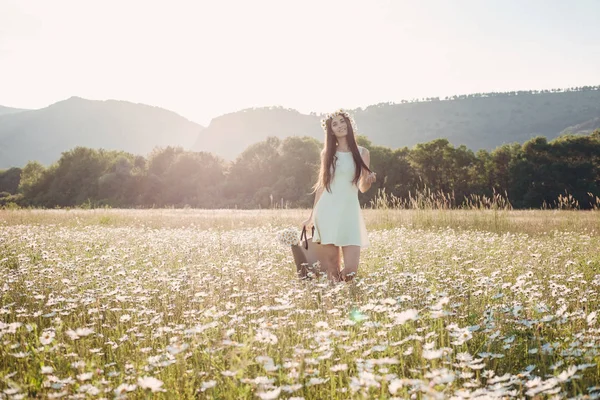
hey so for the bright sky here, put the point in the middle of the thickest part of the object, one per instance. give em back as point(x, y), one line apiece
point(202, 59)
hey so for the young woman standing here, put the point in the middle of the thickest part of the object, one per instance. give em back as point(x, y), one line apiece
point(336, 215)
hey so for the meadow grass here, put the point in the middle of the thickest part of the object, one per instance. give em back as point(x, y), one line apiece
point(498, 221)
point(205, 304)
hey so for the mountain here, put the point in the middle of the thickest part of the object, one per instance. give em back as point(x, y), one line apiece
point(584, 128)
point(44, 134)
point(230, 134)
point(10, 110)
point(479, 121)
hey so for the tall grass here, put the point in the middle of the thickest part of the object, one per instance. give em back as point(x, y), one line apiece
point(493, 220)
point(188, 304)
point(429, 209)
point(426, 199)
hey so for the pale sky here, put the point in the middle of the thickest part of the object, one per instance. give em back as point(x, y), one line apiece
point(202, 59)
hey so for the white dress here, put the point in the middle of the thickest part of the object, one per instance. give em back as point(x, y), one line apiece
point(338, 217)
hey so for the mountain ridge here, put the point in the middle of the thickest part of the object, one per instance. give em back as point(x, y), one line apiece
point(10, 110)
point(43, 134)
point(479, 121)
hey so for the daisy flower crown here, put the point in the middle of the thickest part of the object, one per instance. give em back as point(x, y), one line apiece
point(334, 114)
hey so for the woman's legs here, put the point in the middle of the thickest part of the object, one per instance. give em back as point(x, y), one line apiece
point(329, 257)
point(351, 260)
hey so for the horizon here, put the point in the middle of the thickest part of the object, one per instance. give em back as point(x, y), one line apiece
point(417, 100)
point(208, 61)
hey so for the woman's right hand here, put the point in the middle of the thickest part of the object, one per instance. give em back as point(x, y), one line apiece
point(308, 224)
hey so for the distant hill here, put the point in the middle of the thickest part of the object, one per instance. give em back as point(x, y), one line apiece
point(10, 110)
point(230, 134)
point(44, 134)
point(479, 121)
point(584, 128)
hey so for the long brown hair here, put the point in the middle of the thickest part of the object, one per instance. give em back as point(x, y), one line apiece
point(328, 156)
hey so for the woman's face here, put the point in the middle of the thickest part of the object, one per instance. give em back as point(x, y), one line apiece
point(339, 126)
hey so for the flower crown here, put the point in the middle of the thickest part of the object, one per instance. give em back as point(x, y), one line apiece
point(336, 113)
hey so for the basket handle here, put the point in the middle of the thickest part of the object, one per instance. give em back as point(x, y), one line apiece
point(304, 234)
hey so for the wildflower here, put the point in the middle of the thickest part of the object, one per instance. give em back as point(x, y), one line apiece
point(395, 385)
point(566, 376)
point(89, 389)
point(264, 359)
point(440, 376)
point(497, 379)
point(322, 325)
point(265, 336)
point(288, 237)
point(464, 357)
point(339, 367)
point(47, 337)
point(85, 376)
point(270, 395)
point(259, 380)
point(316, 381)
point(488, 373)
point(432, 354)
point(591, 318)
point(438, 306)
point(402, 317)
point(124, 387)
point(47, 370)
point(177, 348)
point(291, 388)
point(149, 382)
point(79, 332)
point(57, 395)
point(461, 335)
point(207, 385)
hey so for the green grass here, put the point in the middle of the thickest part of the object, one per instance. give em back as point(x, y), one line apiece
point(207, 303)
point(499, 221)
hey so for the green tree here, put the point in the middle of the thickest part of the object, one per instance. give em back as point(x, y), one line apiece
point(432, 162)
point(253, 174)
point(195, 179)
point(462, 175)
point(300, 163)
point(75, 177)
point(117, 186)
point(153, 187)
point(9, 180)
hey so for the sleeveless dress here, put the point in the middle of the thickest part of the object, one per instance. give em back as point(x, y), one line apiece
point(338, 217)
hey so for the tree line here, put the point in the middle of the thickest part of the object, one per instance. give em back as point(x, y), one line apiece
point(280, 172)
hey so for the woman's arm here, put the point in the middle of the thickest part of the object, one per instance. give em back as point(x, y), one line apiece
point(363, 184)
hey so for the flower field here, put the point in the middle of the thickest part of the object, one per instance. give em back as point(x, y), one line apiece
point(205, 304)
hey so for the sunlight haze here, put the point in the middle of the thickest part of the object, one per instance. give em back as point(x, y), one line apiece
point(202, 59)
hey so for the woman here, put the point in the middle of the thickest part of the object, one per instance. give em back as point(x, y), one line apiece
point(336, 216)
